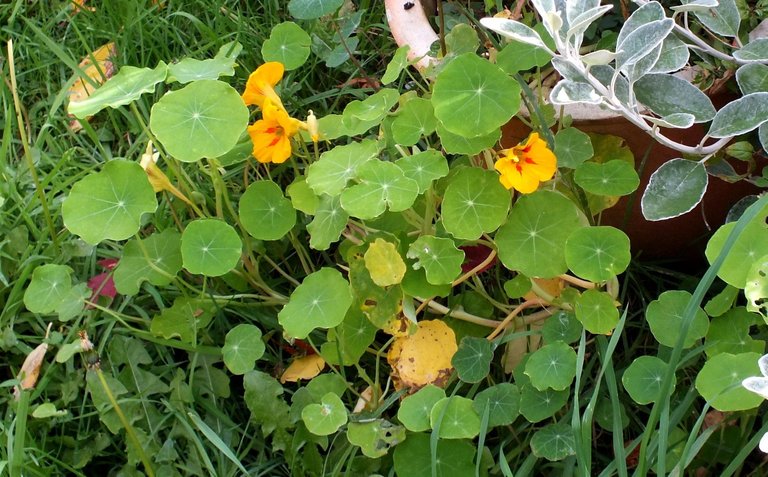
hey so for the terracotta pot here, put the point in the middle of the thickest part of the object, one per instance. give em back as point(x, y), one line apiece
point(683, 237)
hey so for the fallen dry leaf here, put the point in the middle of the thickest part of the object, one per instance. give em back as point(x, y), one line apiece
point(306, 367)
point(552, 286)
point(423, 357)
point(99, 72)
point(30, 369)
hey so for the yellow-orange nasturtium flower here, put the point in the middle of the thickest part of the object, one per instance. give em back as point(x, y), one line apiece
point(261, 85)
point(272, 134)
point(526, 165)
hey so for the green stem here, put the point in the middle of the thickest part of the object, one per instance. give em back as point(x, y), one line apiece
point(128, 428)
point(19, 434)
point(27, 150)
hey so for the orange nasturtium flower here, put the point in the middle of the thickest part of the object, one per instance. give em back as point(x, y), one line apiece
point(261, 84)
point(524, 166)
point(271, 135)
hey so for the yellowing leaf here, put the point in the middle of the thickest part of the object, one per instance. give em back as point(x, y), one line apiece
point(424, 357)
point(98, 72)
point(303, 368)
point(384, 263)
point(30, 370)
point(550, 286)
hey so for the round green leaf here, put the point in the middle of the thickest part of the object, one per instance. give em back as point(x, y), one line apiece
point(325, 418)
point(502, 401)
point(719, 381)
point(210, 247)
point(242, 347)
point(456, 418)
point(439, 258)
point(665, 317)
point(533, 239)
point(749, 247)
point(643, 379)
point(554, 442)
point(287, 44)
point(47, 410)
point(475, 202)
point(674, 189)
point(375, 438)
point(413, 458)
point(330, 220)
point(552, 366)
point(473, 359)
point(311, 9)
point(415, 409)
point(424, 167)
point(156, 259)
point(729, 333)
point(518, 286)
point(605, 416)
point(414, 120)
point(562, 326)
point(321, 301)
point(349, 340)
point(611, 178)
point(183, 319)
point(302, 196)
point(382, 185)
point(203, 119)
point(336, 167)
point(372, 108)
point(457, 144)
point(597, 253)
point(49, 286)
point(265, 213)
point(597, 311)
point(473, 97)
point(572, 147)
point(537, 405)
point(108, 205)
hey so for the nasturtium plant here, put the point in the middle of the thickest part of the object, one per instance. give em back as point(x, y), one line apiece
point(49, 286)
point(384, 263)
point(472, 97)
point(665, 317)
point(475, 202)
point(202, 120)
point(749, 247)
point(597, 253)
point(155, 259)
point(535, 405)
point(382, 186)
point(501, 402)
point(415, 410)
point(612, 178)
point(242, 347)
point(109, 204)
point(191, 69)
point(424, 167)
point(572, 147)
point(552, 366)
point(730, 333)
point(326, 417)
point(338, 166)
point(596, 310)
point(321, 301)
point(415, 119)
point(719, 381)
point(554, 442)
point(210, 247)
point(375, 438)
point(473, 359)
point(454, 417)
point(288, 44)
point(184, 319)
point(533, 239)
point(413, 457)
point(644, 377)
point(264, 212)
point(439, 257)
